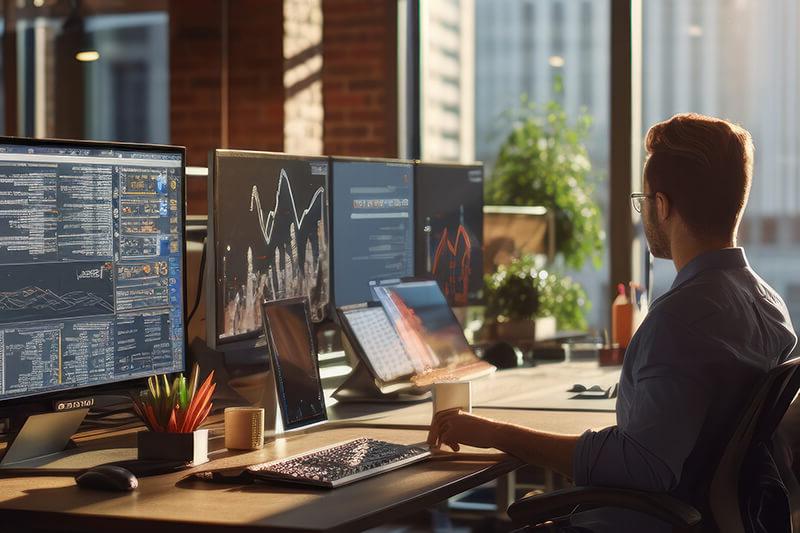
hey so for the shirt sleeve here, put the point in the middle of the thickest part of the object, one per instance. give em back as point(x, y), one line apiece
point(668, 408)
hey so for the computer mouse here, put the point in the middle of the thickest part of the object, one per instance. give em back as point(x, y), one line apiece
point(577, 388)
point(107, 477)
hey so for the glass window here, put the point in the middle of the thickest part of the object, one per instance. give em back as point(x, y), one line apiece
point(739, 61)
point(93, 72)
point(480, 58)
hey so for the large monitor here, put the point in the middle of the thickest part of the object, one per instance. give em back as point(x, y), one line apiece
point(372, 225)
point(449, 229)
point(91, 266)
point(268, 239)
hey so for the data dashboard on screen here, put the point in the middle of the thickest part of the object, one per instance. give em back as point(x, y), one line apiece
point(269, 230)
point(91, 265)
point(373, 225)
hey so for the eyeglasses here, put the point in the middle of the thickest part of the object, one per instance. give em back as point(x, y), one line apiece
point(637, 200)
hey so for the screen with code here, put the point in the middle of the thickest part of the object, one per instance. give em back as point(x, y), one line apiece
point(91, 265)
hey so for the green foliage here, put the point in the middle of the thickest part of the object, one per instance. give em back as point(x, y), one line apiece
point(543, 161)
point(523, 290)
point(513, 291)
point(564, 298)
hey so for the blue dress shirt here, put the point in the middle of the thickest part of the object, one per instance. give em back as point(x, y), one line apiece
point(687, 373)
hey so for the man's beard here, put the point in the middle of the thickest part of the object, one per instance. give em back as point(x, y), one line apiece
point(657, 239)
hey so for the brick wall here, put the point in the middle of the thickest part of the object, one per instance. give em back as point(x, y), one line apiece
point(359, 77)
point(255, 81)
point(195, 76)
point(251, 117)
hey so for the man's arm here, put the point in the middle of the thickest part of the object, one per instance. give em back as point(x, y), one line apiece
point(550, 450)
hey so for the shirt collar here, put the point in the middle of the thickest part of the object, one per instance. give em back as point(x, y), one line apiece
point(715, 259)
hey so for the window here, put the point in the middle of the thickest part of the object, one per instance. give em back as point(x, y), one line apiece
point(739, 61)
point(93, 74)
point(480, 57)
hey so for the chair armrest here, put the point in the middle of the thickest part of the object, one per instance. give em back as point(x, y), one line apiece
point(541, 508)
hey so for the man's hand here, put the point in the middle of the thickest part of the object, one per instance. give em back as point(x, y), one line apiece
point(454, 427)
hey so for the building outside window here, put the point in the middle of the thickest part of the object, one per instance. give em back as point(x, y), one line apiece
point(738, 61)
point(480, 57)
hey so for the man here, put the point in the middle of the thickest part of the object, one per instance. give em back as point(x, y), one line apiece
point(701, 349)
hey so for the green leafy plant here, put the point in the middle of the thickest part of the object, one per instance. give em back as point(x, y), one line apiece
point(523, 290)
point(179, 407)
point(544, 161)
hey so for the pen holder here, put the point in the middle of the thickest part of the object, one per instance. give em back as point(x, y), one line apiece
point(160, 445)
point(610, 356)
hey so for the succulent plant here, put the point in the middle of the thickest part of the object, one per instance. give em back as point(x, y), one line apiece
point(177, 407)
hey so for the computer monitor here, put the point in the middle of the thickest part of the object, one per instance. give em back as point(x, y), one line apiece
point(372, 203)
point(268, 240)
point(91, 267)
point(293, 356)
point(449, 229)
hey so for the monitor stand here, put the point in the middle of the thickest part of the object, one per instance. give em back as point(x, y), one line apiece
point(43, 435)
point(45, 443)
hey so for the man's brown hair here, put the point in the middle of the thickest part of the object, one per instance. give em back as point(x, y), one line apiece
point(704, 165)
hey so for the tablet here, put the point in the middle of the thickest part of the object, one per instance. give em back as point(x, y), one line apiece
point(425, 323)
point(293, 355)
point(376, 341)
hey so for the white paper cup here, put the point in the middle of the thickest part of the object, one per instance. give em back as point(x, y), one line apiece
point(451, 395)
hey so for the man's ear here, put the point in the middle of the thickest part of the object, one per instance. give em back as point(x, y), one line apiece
point(663, 206)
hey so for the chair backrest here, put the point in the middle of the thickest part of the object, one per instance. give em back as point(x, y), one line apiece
point(758, 423)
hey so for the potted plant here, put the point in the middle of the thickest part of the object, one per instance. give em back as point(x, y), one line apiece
point(524, 301)
point(173, 411)
point(544, 162)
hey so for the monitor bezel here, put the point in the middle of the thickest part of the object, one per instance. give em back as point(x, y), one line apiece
point(43, 400)
point(274, 363)
point(253, 339)
point(419, 270)
point(332, 209)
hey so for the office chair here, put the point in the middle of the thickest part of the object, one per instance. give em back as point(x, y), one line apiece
point(719, 507)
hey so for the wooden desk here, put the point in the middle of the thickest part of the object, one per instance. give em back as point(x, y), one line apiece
point(540, 388)
point(164, 502)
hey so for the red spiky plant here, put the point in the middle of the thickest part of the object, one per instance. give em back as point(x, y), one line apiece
point(176, 408)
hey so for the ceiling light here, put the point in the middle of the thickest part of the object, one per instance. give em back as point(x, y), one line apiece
point(556, 61)
point(87, 55)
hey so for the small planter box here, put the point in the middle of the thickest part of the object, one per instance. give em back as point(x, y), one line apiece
point(189, 447)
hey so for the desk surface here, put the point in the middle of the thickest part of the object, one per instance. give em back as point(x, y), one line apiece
point(162, 501)
point(165, 501)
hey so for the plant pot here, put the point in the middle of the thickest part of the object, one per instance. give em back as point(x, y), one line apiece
point(189, 447)
point(527, 331)
point(517, 331)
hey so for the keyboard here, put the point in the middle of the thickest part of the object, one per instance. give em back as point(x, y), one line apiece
point(340, 464)
point(461, 373)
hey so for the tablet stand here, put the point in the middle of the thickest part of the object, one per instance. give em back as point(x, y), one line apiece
point(360, 385)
